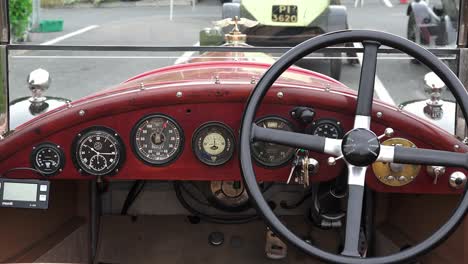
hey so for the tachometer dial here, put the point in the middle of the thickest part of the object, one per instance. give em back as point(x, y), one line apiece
point(157, 140)
point(48, 158)
point(270, 154)
point(328, 128)
point(213, 143)
point(98, 151)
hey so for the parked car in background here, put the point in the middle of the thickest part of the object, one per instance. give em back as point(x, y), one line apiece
point(286, 23)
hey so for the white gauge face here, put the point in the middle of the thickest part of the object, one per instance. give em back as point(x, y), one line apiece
point(214, 143)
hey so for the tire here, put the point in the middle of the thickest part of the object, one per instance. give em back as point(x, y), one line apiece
point(335, 67)
point(230, 10)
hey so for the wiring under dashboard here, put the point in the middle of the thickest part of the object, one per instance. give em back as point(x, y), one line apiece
point(210, 218)
point(20, 169)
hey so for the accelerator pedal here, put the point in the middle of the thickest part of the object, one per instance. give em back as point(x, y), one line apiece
point(274, 247)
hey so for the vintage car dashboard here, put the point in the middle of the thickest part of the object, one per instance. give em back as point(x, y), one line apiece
point(156, 129)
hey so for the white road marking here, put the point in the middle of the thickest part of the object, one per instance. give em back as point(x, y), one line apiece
point(379, 88)
point(387, 3)
point(186, 56)
point(69, 35)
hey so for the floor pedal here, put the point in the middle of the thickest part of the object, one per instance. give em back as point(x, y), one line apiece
point(275, 248)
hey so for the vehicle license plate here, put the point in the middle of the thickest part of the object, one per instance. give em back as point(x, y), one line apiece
point(284, 13)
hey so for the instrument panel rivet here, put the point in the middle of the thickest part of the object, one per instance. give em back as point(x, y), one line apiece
point(82, 112)
point(327, 87)
point(252, 80)
point(280, 94)
point(379, 114)
point(179, 94)
point(142, 86)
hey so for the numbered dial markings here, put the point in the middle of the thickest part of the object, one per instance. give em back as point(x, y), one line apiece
point(213, 143)
point(328, 128)
point(157, 140)
point(99, 152)
point(270, 154)
point(48, 159)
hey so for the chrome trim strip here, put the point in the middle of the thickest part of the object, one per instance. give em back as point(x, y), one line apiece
point(387, 153)
point(333, 146)
point(362, 121)
point(438, 52)
point(356, 175)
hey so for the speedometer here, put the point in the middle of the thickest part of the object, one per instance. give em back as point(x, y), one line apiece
point(157, 140)
point(270, 154)
point(98, 151)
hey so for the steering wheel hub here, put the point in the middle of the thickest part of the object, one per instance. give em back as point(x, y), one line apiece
point(360, 147)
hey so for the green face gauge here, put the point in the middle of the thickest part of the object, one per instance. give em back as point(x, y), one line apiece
point(213, 143)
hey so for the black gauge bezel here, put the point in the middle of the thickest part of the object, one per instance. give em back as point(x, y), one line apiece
point(208, 125)
point(330, 121)
point(51, 145)
point(167, 162)
point(269, 165)
point(79, 139)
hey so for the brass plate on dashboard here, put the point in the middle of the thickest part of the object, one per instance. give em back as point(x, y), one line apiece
point(395, 174)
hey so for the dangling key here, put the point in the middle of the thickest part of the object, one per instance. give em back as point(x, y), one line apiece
point(293, 168)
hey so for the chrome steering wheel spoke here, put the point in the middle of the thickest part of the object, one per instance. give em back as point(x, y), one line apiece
point(419, 156)
point(357, 174)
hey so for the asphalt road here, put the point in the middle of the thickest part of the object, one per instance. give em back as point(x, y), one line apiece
point(76, 74)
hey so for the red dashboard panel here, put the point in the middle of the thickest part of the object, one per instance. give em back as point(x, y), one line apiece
point(192, 104)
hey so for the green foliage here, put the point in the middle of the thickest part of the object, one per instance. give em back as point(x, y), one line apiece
point(20, 10)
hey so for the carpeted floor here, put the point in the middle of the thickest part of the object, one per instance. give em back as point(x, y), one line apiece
point(173, 239)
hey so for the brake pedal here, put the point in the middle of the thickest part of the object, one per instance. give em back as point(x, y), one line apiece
point(274, 247)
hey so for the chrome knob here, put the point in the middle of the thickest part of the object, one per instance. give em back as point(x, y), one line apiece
point(332, 161)
point(38, 82)
point(457, 180)
point(389, 132)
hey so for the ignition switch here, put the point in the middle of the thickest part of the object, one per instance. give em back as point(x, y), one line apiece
point(304, 114)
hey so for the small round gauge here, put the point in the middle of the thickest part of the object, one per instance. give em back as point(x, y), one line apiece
point(48, 159)
point(98, 151)
point(328, 128)
point(270, 154)
point(213, 143)
point(157, 140)
point(228, 196)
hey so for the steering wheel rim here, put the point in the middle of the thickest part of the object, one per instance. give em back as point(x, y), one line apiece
point(249, 132)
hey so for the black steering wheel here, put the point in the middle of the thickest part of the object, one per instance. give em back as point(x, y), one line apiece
point(360, 147)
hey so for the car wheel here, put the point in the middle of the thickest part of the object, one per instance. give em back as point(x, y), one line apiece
point(230, 10)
